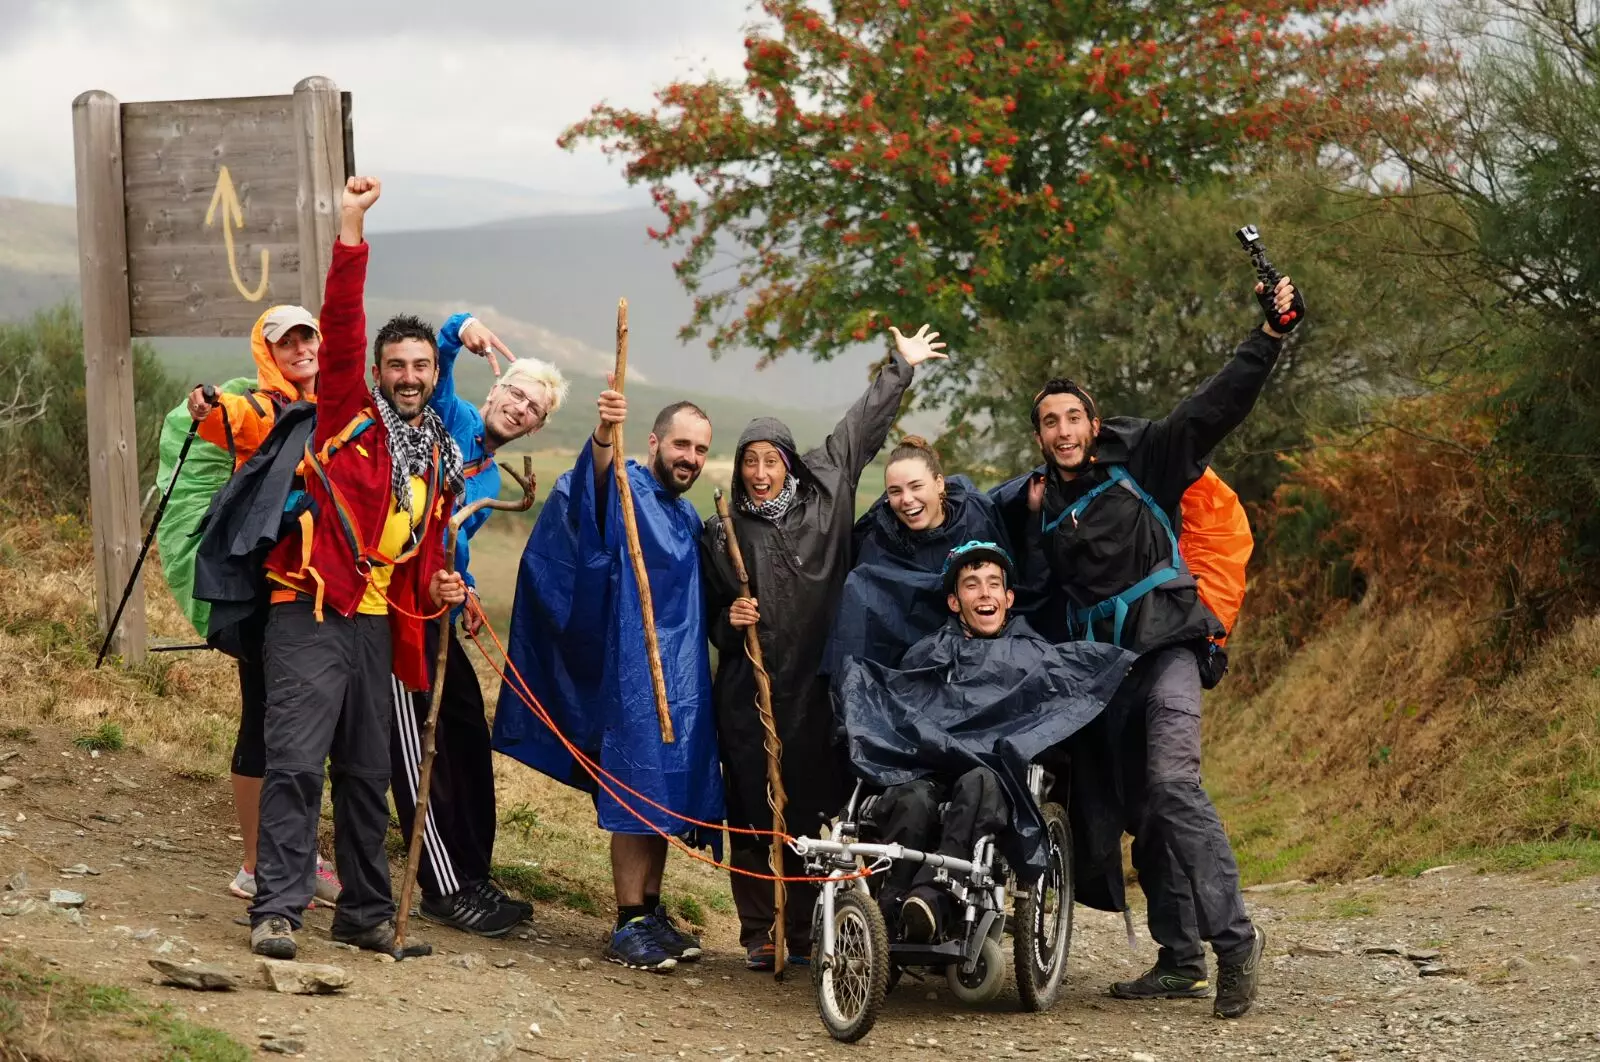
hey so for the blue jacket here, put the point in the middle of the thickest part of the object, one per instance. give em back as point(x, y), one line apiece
point(465, 425)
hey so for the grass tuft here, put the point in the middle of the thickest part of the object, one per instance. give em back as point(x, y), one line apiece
point(107, 737)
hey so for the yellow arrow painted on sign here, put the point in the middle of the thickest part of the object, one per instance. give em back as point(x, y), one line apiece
point(233, 218)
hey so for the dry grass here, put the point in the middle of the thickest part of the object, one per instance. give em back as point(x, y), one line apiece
point(1372, 750)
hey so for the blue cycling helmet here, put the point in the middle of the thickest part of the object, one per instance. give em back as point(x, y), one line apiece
point(969, 553)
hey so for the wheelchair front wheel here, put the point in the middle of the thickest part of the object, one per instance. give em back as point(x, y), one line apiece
point(852, 983)
point(1042, 933)
point(985, 981)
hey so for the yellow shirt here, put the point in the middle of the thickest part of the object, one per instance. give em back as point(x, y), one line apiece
point(397, 529)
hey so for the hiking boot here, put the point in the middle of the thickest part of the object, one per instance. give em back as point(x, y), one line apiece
point(489, 889)
point(273, 939)
point(471, 911)
point(379, 938)
point(685, 947)
point(1156, 983)
point(636, 946)
point(1237, 982)
point(327, 884)
point(763, 958)
point(243, 885)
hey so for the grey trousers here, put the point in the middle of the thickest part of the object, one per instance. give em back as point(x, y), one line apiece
point(328, 701)
point(1185, 864)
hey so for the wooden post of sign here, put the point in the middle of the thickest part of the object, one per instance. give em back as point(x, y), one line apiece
point(319, 151)
point(108, 365)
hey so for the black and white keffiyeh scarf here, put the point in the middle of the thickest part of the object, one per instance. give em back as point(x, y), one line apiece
point(774, 507)
point(411, 451)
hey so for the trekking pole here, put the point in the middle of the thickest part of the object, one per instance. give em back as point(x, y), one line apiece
point(630, 525)
point(425, 773)
point(210, 394)
point(777, 799)
point(1249, 238)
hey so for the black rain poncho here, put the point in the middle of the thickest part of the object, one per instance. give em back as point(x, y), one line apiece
point(797, 566)
point(895, 594)
point(957, 702)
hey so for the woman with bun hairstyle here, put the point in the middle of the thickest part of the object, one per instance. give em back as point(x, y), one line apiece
point(895, 595)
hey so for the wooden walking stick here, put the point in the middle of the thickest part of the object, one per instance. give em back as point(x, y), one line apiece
point(777, 799)
point(425, 773)
point(630, 524)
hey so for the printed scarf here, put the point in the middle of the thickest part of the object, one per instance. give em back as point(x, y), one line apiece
point(774, 507)
point(411, 451)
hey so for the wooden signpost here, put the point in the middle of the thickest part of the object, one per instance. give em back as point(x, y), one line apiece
point(194, 217)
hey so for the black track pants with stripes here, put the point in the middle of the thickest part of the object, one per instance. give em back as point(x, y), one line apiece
point(459, 839)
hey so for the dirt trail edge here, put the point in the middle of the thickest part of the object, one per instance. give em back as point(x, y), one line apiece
point(1451, 965)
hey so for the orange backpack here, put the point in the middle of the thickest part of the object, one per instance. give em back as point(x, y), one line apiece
point(1214, 538)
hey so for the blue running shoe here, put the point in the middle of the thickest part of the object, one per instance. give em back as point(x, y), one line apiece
point(637, 947)
point(680, 945)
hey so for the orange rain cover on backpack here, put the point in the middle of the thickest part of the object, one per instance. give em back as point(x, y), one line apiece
point(1214, 538)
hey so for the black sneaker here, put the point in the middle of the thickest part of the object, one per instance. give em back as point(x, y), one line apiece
point(919, 923)
point(379, 938)
point(685, 947)
point(1156, 983)
point(489, 890)
point(1237, 982)
point(472, 910)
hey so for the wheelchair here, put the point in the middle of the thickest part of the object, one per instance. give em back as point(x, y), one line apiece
point(854, 964)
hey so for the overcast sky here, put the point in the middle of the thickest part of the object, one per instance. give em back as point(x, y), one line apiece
point(463, 87)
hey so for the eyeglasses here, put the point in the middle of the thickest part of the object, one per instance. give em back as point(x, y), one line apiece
point(520, 397)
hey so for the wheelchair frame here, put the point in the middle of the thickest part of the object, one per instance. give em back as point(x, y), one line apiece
point(974, 960)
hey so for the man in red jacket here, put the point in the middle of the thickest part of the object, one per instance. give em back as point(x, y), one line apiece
point(351, 589)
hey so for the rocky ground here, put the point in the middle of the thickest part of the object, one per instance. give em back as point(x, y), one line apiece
point(1452, 965)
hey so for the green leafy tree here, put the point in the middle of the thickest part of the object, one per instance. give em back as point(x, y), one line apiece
point(1167, 297)
point(949, 160)
point(45, 443)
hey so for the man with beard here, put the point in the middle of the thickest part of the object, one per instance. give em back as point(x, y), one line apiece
point(1100, 519)
point(351, 585)
point(577, 641)
point(458, 842)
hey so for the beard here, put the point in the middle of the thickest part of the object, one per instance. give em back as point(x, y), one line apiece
point(424, 393)
point(665, 475)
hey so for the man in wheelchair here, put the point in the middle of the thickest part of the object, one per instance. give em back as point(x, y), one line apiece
point(951, 735)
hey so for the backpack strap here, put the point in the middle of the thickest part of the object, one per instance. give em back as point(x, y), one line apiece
point(1117, 606)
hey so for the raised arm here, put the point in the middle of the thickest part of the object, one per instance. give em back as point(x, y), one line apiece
point(858, 437)
point(1184, 438)
point(613, 406)
point(341, 380)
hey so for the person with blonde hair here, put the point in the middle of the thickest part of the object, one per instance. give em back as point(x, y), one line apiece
point(458, 841)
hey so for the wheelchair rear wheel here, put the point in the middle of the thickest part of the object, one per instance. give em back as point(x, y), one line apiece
point(1042, 934)
point(851, 985)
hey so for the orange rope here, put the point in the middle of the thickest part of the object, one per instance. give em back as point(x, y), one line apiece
point(595, 771)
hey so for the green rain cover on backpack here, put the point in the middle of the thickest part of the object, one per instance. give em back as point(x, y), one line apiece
point(204, 471)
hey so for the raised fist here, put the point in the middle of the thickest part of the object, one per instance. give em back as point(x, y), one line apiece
point(360, 193)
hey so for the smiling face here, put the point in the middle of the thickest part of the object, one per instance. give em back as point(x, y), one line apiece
point(512, 411)
point(1066, 432)
point(916, 494)
point(678, 458)
point(406, 373)
point(981, 599)
point(296, 355)
point(762, 471)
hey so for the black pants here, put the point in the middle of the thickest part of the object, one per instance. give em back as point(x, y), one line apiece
point(327, 700)
point(753, 899)
point(250, 746)
point(908, 814)
point(1185, 864)
point(458, 841)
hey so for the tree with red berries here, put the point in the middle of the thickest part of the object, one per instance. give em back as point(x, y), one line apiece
point(900, 161)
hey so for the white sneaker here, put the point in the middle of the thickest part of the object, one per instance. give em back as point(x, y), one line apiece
point(243, 885)
point(327, 884)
